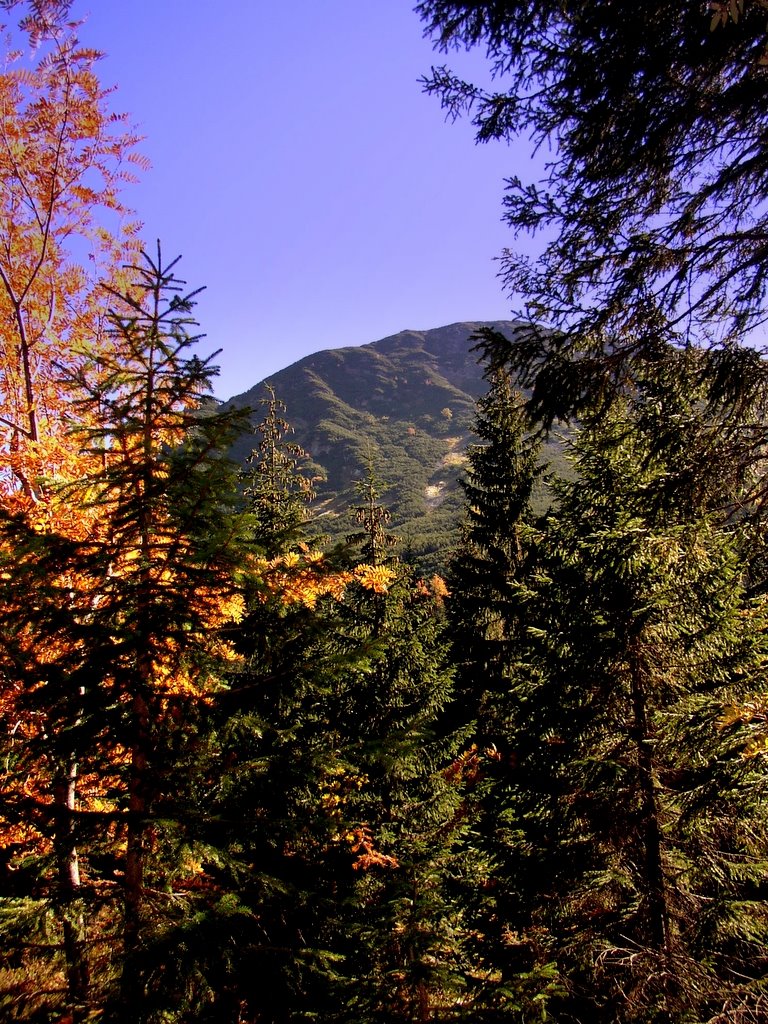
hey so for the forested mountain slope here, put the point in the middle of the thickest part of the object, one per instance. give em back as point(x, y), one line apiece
point(406, 406)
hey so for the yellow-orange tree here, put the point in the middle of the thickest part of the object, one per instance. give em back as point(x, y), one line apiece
point(63, 159)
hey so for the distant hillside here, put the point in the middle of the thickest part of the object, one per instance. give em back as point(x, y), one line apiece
point(409, 402)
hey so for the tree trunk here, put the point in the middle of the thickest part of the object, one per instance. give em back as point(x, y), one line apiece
point(138, 803)
point(68, 868)
point(658, 912)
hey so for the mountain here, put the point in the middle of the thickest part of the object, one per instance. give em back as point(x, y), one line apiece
point(406, 406)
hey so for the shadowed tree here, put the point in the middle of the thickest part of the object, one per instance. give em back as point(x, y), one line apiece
point(652, 206)
point(640, 634)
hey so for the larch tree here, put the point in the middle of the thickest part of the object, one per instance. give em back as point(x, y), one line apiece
point(64, 158)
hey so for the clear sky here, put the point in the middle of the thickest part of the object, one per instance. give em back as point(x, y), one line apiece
point(309, 183)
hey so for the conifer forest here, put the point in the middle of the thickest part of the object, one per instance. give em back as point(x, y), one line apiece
point(249, 777)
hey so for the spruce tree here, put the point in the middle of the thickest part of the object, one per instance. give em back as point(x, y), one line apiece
point(502, 472)
point(405, 954)
point(164, 579)
point(45, 643)
point(374, 542)
point(652, 202)
point(642, 634)
point(498, 679)
point(277, 491)
point(601, 674)
point(337, 815)
point(126, 621)
point(268, 829)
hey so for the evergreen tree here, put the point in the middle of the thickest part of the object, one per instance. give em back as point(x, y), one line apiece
point(372, 517)
point(337, 815)
point(497, 676)
point(277, 491)
point(165, 583)
point(502, 472)
point(653, 200)
point(406, 934)
point(126, 630)
point(641, 633)
point(45, 642)
point(614, 798)
point(268, 832)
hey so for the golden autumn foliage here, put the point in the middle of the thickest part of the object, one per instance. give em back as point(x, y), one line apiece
point(122, 565)
point(337, 784)
point(298, 577)
point(304, 576)
point(43, 19)
point(64, 158)
point(753, 714)
point(377, 578)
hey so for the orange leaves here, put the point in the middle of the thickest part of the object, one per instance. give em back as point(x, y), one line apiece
point(437, 590)
point(59, 163)
point(377, 578)
point(467, 767)
point(361, 842)
point(723, 12)
point(300, 578)
point(744, 713)
point(303, 577)
point(20, 834)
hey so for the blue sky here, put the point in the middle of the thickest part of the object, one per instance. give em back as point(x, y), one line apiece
point(297, 166)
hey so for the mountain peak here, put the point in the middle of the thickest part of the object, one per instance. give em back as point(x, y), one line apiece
point(410, 400)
